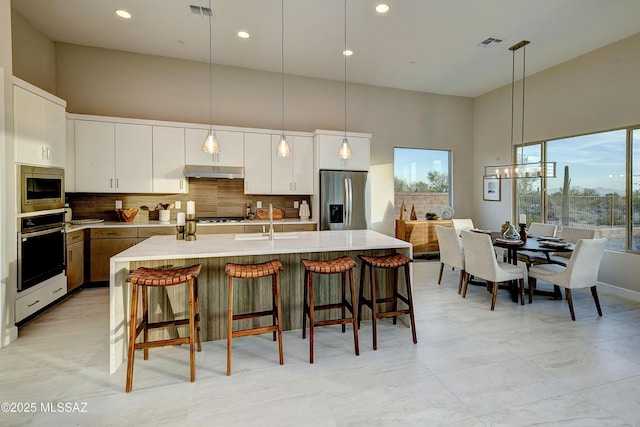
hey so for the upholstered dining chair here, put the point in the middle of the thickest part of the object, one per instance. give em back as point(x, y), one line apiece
point(480, 262)
point(461, 224)
point(580, 272)
point(451, 252)
point(536, 229)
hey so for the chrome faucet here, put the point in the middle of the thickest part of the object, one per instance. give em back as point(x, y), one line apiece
point(270, 234)
point(270, 221)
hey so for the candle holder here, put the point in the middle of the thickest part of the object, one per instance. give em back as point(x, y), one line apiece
point(180, 232)
point(191, 227)
point(523, 232)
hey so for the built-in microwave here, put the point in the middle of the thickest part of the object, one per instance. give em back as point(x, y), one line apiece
point(41, 188)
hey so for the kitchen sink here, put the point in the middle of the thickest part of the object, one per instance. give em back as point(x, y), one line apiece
point(260, 236)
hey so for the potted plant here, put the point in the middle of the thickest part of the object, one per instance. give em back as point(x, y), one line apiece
point(431, 216)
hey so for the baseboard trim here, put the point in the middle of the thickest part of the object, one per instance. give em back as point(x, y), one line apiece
point(10, 334)
point(622, 292)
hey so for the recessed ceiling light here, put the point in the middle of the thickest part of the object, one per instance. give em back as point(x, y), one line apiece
point(243, 34)
point(123, 14)
point(347, 52)
point(382, 8)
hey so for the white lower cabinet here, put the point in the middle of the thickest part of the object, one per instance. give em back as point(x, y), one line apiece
point(257, 163)
point(37, 299)
point(168, 160)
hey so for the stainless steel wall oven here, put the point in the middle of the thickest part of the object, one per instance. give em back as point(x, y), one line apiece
point(41, 249)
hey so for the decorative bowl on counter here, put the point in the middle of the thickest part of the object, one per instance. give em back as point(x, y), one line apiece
point(263, 214)
point(127, 215)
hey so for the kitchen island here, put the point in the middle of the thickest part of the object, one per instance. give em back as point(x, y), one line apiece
point(213, 251)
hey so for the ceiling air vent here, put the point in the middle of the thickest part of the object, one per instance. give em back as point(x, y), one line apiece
point(201, 10)
point(489, 42)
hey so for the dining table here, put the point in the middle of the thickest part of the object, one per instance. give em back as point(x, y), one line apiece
point(545, 245)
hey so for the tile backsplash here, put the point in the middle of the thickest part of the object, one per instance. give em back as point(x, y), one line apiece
point(213, 197)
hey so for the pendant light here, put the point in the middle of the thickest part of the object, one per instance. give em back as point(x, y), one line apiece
point(345, 149)
point(210, 144)
point(519, 169)
point(283, 149)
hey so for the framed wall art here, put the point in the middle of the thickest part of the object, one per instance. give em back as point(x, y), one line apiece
point(491, 189)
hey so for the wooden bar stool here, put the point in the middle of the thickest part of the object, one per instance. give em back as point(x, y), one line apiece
point(140, 280)
point(334, 266)
point(253, 271)
point(394, 261)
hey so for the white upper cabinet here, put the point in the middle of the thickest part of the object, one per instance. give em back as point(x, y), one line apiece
point(70, 166)
point(39, 127)
point(95, 156)
point(168, 160)
point(328, 146)
point(257, 163)
point(113, 157)
point(231, 148)
point(134, 150)
point(293, 174)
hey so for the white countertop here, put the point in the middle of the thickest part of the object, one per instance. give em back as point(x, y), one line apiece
point(153, 223)
point(222, 245)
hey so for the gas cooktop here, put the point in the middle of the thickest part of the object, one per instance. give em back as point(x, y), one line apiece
point(212, 219)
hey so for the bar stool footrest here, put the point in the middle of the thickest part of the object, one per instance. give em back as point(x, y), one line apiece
point(167, 323)
point(161, 343)
point(254, 331)
point(252, 315)
point(333, 322)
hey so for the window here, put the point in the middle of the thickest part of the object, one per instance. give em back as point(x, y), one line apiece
point(422, 180)
point(590, 187)
point(530, 200)
point(635, 191)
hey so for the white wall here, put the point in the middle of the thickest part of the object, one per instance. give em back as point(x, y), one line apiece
point(114, 83)
point(8, 331)
point(382, 217)
point(594, 92)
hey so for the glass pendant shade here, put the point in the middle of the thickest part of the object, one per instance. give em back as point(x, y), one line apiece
point(283, 149)
point(210, 144)
point(345, 149)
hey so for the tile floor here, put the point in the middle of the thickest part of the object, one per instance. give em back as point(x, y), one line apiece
point(516, 366)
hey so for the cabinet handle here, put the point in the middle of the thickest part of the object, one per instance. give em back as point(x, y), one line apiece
point(48, 154)
point(31, 305)
point(113, 233)
point(44, 153)
point(117, 183)
point(57, 290)
point(111, 183)
point(181, 184)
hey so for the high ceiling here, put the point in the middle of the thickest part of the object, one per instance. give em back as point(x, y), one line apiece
point(422, 45)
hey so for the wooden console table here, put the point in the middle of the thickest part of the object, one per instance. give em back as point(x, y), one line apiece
point(421, 234)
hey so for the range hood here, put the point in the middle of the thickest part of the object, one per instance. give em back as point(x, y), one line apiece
point(201, 171)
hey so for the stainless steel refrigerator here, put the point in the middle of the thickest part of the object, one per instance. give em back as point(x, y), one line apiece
point(342, 200)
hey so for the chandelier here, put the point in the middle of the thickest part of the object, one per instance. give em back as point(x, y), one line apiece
point(520, 169)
